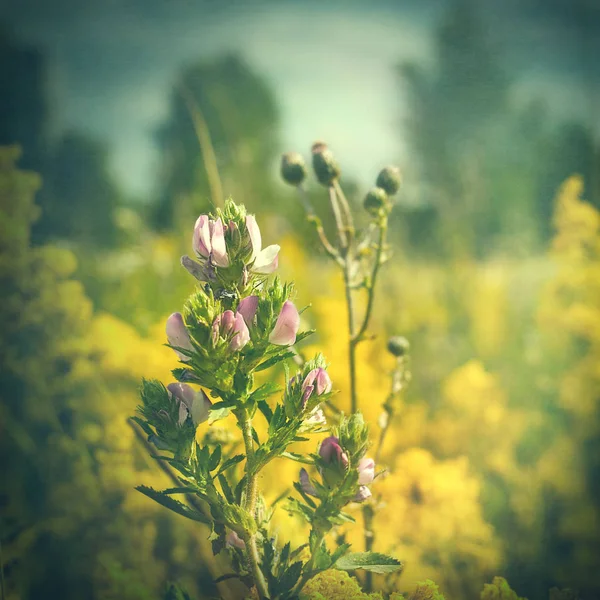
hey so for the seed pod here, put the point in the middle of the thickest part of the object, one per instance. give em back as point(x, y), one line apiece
point(293, 168)
point(324, 164)
point(376, 201)
point(398, 345)
point(389, 179)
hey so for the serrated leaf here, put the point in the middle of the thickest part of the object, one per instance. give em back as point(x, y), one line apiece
point(215, 459)
point(230, 462)
point(274, 360)
point(297, 457)
point(369, 561)
point(145, 427)
point(172, 504)
point(227, 491)
point(265, 409)
point(289, 577)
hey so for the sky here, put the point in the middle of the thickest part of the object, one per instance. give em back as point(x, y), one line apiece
point(332, 65)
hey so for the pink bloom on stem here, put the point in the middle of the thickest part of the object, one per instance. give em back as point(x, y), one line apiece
point(231, 324)
point(247, 307)
point(263, 261)
point(331, 452)
point(177, 335)
point(286, 327)
point(366, 471)
point(305, 484)
point(209, 240)
point(319, 380)
point(233, 540)
point(192, 402)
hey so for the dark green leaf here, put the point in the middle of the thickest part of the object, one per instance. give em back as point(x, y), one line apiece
point(274, 360)
point(215, 459)
point(289, 577)
point(172, 504)
point(227, 491)
point(230, 462)
point(265, 409)
point(298, 457)
point(145, 427)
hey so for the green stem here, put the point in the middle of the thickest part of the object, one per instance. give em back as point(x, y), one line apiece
point(341, 228)
point(345, 208)
point(368, 515)
point(250, 498)
point(371, 288)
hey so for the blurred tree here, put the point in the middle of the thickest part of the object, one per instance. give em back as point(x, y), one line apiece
point(224, 118)
point(23, 101)
point(71, 524)
point(79, 197)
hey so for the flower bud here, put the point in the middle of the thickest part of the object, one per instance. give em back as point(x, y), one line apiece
point(247, 307)
point(286, 326)
point(233, 540)
point(331, 452)
point(177, 335)
point(398, 345)
point(192, 402)
point(363, 494)
point(324, 164)
point(208, 241)
point(376, 201)
point(389, 179)
point(293, 168)
point(231, 325)
point(307, 487)
point(366, 471)
point(317, 380)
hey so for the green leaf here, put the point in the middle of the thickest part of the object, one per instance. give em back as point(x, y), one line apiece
point(304, 335)
point(369, 561)
point(218, 414)
point(215, 459)
point(230, 462)
point(289, 577)
point(298, 457)
point(146, 428)
point(172, 504)
point(227, 492)
point(265, 409)
point(274, 360)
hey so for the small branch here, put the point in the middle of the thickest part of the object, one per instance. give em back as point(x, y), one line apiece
point(341, 228)
point(316, 222)
point(308, 574)
point(368, 514)
point(371, 285)
point(345, 208)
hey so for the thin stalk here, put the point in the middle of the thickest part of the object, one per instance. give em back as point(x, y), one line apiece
point(345, 208)
point(339, 223)
point(371, 289)
point(207, 150)
point(398, 383)
point(316, 222)
point(368, 514)
point(249, 503)
point(2, 583)
point(351, 334)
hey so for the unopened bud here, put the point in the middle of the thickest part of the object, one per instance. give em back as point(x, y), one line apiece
point(389, 179)
point(293, 168)
point(324, 164)
point(375, 201)
point(398, 345)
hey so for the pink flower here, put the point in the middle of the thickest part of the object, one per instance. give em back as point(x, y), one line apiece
point(305, 484)
point(177, 335)
point(231, 325)
point(192, 402)
point(247, 307)
point(209, 240)
point(317, 380)
point(262, 261)
point(233, 540)
point(331, 452)
point(366, 471)
point(286, 327)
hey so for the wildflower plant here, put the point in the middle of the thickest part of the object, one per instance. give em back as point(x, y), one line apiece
point(240, 321)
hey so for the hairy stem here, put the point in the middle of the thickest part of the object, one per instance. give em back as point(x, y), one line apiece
point(249, 503)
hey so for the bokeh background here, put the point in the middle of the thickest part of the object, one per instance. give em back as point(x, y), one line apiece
point(133, 116)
